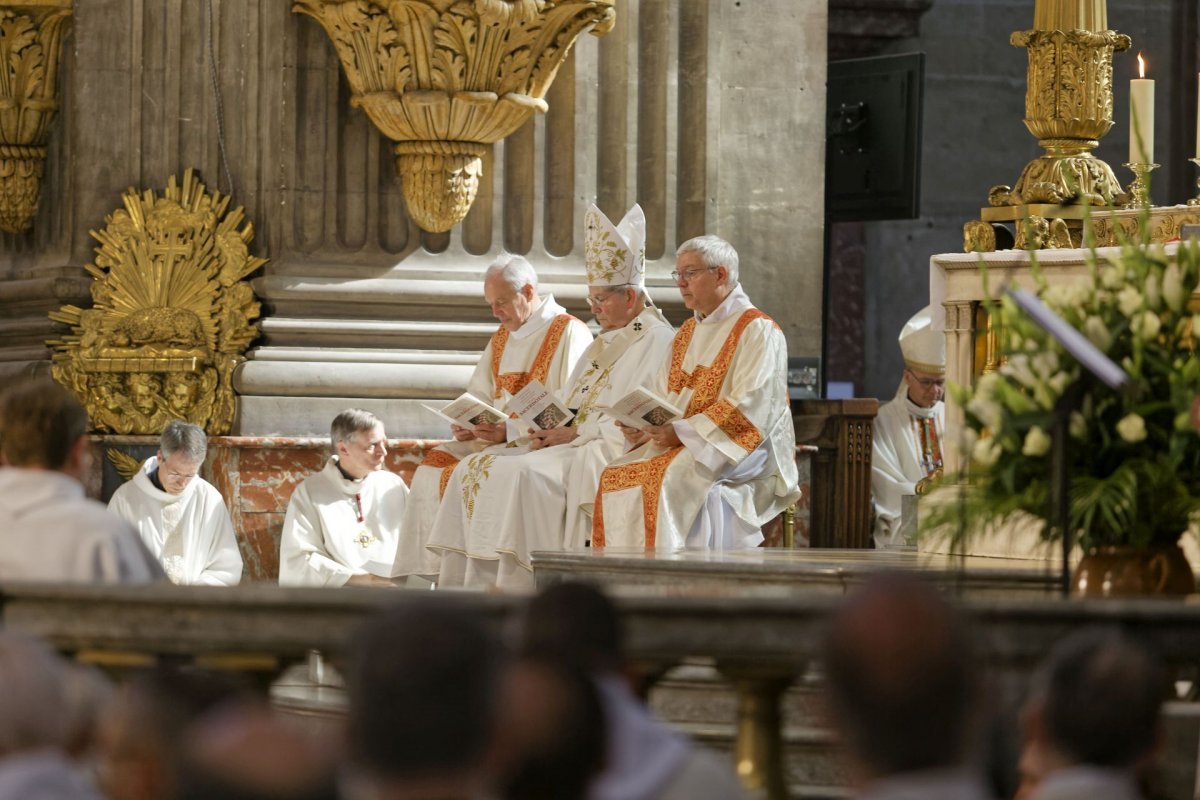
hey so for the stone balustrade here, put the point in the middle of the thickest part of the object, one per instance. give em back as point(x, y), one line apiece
point(759, 644)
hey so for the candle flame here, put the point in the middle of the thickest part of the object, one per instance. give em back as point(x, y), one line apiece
point(1141, 66)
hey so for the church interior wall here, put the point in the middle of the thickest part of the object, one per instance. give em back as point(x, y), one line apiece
point(974, 138)
point(710, 114)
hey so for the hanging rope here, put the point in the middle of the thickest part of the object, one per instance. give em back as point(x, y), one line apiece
point(216, 87)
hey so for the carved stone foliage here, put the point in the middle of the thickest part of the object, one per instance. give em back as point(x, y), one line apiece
point(443, 78)
point(172, 314)
point(31, 34)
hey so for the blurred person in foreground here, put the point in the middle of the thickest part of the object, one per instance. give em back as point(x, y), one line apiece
point(1093, 719)
point(902, 688)
point(180, 516)
point(49, 531)
point(35, 726)
point(423, 682)
point(576, 625)
point(143, 733)
point(246, 751)
point(553, 732)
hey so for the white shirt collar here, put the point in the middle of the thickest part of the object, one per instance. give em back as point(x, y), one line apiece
point(914, 409)
point(734, 303)
point(547, 309)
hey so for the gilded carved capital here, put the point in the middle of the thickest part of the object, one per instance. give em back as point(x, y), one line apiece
point(443, 78)
point(31, 34)
point(172, 316)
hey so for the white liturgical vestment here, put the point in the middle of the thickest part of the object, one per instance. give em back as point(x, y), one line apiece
point(907, 447)
point(545, 348)
point(736, 468)
point(336, 528)
point(49, 531)
point(504, 503)
point(190, 533)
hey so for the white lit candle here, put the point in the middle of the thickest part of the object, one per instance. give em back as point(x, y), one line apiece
point(1141, 117)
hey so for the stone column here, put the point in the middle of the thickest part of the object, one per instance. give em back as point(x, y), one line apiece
point(719, 130)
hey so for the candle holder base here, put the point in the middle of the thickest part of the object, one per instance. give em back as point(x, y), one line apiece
point(1195, 201)
point(1139, 189)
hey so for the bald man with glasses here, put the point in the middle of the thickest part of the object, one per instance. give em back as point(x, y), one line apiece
point(907, 446)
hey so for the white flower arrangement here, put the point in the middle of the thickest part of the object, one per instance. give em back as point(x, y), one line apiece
point(1134, 457)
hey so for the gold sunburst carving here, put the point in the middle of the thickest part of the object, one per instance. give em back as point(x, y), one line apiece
point(172, 313)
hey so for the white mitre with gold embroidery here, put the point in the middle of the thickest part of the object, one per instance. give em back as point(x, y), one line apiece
point(923, 348)
point(615, 255)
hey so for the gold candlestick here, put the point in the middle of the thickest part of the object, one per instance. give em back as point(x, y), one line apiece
point(1195, 201)
point(1139, 190)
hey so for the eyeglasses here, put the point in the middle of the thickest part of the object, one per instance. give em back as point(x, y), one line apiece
point(599, 301)
point(688, 276)
point(929, 383)
point(180, 476)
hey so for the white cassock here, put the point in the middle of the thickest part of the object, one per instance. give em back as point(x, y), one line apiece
point(502, 504)
point(545, 348)
point(907, 447)
point(49, 531)
point(190, 533)
point(336, 528)
point(736, 469)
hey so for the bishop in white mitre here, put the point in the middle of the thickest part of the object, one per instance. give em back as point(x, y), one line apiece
point(501, 506)
point(908, 430)
point(712, 478)
point(537, 339)
point(181, 518)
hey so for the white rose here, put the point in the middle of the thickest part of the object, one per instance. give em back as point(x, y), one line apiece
point(1018, 368)
point(1129, 300)
point(1037, 443)
point(986, 411)
point(1132, 428)
point(1045, 363)
point(1111, 277)
point(1172, 287)
point(1147, 325)
point(1077, 425)
point(986, 452)
point(987, 385)
point(1097, 333)
point(1153, 295)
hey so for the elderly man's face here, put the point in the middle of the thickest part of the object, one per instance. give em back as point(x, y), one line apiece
point(511, 308)
point(701, 288)
point(924, 388)
point(363, 453)
point(614, 307)
point(176, 471)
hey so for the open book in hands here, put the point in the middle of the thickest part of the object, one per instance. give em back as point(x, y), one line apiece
point(468, 411)
point(642, 408)
point(538, 408)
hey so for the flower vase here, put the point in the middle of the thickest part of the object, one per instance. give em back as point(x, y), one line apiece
point(1125, 571)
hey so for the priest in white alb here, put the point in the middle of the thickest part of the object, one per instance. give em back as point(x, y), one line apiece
point(502, 505)
point(537, 339)
point(181, 517)
point(713, 477)
point(908, 430)
point(344, 522)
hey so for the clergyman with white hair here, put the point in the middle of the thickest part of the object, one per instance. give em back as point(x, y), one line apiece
point(537, 340)
point(344, 522)
point(539, 497)
point(181, 517)
point(713, 478)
